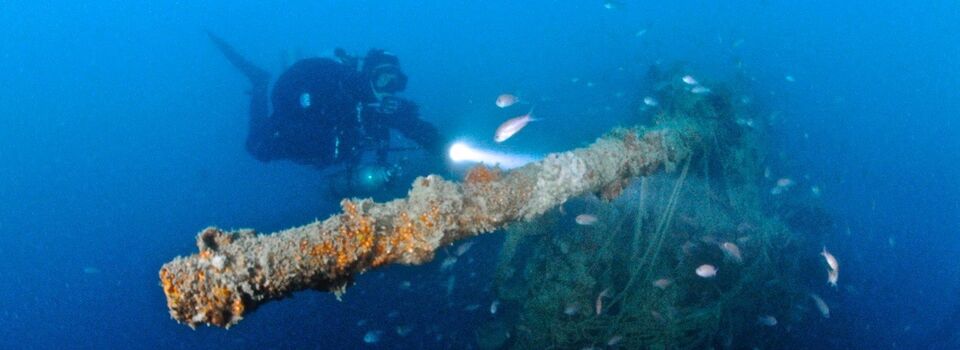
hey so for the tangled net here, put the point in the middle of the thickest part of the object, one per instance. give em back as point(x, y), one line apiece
point(578, 286)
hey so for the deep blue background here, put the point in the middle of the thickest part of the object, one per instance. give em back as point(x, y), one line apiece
point(121, 135)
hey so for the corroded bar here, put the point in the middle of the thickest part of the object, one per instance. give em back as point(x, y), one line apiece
point(234, 272)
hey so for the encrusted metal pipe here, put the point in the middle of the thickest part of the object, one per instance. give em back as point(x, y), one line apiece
point(234, 272)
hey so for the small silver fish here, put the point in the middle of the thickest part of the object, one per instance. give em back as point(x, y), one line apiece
point(700, 90)
point(706, 271)
point(831, 260)
point(832, 277)
point(732, 251)
point(689, 80)
point(662, 283)
point(650, 101)
point(451, 283)
point(405, 285)
point(403, 331)
point(305, 100)
point(372, 337)
point(507, 100)
point(834, 272)
point(463, 248)
point(586, 219)
point(612, 5)
point(767, 320)
point(748, 122)
point(599, 302)
point(785, 182)
point(494, 306)
point(512, 126)
point(448, 263)
point(614, 340)
point(821, 305)
point(571, 309)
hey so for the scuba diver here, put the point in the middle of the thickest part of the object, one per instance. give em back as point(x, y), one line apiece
point(328, 112)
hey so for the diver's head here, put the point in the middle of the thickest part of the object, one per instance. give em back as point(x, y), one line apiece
point(383, 70)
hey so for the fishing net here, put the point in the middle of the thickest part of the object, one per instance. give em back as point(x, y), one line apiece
point(630, 278)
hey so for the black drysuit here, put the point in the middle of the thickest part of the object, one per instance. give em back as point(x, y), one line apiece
point(325, 113)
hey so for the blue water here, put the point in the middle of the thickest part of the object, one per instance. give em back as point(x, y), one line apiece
point(122, 128)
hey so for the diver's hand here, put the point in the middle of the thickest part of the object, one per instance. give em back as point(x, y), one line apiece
point(389, 105)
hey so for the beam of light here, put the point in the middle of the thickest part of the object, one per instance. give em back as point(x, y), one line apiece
point(461, 152)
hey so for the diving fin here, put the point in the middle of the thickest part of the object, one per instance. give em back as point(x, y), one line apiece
point(257, 75)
